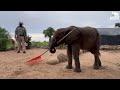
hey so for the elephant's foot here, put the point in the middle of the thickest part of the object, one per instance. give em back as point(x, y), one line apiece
point(96, 66)
point(69, 67)
point(100, 64)
point(77, 70)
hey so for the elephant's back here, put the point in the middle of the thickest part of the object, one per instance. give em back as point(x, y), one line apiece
point(89, 36)
point(88, 30)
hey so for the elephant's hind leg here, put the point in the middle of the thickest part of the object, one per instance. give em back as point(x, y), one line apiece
point(97, 62)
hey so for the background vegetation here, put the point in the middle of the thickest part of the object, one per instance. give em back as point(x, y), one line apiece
point(4, 39)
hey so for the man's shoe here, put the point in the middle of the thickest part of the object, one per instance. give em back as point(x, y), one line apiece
point(18, 51)
point(24, 52)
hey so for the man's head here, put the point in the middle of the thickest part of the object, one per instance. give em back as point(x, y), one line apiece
point(20, 24)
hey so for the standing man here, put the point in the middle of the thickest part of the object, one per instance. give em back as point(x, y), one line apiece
point(21, 36)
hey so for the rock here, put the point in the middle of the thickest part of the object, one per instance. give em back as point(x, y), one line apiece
point(53, 61)
point(62, 58)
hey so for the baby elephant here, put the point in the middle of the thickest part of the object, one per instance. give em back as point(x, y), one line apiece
point(86, 38)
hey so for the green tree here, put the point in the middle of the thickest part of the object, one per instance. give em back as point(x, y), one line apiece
point(4, 39)
point(49, 32)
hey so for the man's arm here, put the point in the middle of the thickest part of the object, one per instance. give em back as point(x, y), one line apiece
point(25, 34)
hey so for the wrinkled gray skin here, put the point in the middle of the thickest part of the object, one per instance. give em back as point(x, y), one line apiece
point(86, 38)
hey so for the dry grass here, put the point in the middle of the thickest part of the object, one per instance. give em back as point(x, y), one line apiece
point(12, 66)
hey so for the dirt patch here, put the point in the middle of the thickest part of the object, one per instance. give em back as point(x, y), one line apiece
point(12, 66)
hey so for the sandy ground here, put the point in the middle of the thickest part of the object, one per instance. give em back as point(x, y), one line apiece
point(12, 66)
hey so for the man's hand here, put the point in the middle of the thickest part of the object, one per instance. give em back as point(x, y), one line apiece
point(25, 38)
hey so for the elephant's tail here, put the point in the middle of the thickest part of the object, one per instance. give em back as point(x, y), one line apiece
point(98, 43)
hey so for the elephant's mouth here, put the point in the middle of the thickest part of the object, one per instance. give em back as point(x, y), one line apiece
point(52, 50)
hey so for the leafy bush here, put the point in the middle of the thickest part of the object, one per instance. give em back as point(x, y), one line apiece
point(45, 45)
point(39, 44)
point(4, 39)
point(62, 46)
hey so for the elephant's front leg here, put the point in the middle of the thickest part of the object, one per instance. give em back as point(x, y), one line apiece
point(75, 50)
point(69, 53)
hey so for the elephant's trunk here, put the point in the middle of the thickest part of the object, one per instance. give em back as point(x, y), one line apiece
point(52, 46)
point(52, 49)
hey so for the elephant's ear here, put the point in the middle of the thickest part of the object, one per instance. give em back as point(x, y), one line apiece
point(74, 35)
point(67, 30)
